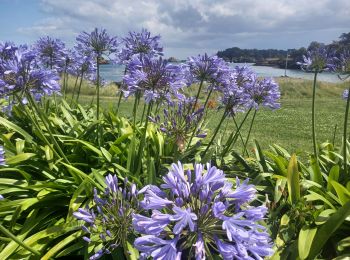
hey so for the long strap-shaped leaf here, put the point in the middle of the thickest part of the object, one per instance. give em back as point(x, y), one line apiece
point(328, 228)
point(16, 128)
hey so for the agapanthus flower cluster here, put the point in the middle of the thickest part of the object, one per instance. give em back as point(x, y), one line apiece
point(343, 65)
point(318, 60)
point(7, 51)
point(206, 68)
point(2, 156)
point(264, 92)
point(50, 53)
point(200, 213)
point(108, 222)
point(243, 76)
point(234, 97)
point(140, 43)
point(154, 78)
point(21, 74)
point(178, 122)
point(98, 41)
point(346, 94)
point(83, 65)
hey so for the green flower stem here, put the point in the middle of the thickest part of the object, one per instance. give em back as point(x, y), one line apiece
point(238, 131)
point(143, 112)
point(232, 137)
point(121, 93)
point(65, 79)
point(334, 134)
point(197, 127)
point(250, 129)
point(156, 111)
point(197, 96)
point(79, 89)
point(216, 131)
point(75, 86)
point(313, 115)
point(345, 157)
point(207, 99)
point(143, 140)
point(47, 126)
point(137, 96)
point(7, 233)
point(119, 101)
point(99, 129)
point(98, 87)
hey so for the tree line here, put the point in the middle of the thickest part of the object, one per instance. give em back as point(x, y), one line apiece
point(277, 58)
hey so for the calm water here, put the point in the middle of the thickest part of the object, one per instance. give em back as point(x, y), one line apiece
point(111, 72)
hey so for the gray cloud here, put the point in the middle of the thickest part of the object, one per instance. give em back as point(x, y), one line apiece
point(192, 27)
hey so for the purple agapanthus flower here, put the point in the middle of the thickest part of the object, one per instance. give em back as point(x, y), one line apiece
point(7, 51)
point(234, 97)
point(264, 92)
point(346, 94)
point(50, 53)
point(140, 43)
point(82, 65)
point(206, 68)
point(203, 214)
point(21, 74)
point(158, 248)
point(178, 122)
point(98, 41)
point(108, 223)
point(343, 65)
point(318, 60)
point(154, 78)
point(243, 76)
point(2, 156)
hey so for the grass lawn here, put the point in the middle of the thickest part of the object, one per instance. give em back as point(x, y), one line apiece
point(289, 126)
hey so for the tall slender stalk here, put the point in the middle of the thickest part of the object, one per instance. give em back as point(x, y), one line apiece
point(98, 87)
point(143, 140)
point(238, 129)
point(79, 89)
point(216, 131)
point(197, 96)
point(345, 157)
point(119, 100)
point(64, 83)
point(143, 112)
point(207, 99)
point(313, 115)
point(195, 131)
point(250, 129)
point(75, 86)
point(121, 93)
point(232, 137)
point(136, 102)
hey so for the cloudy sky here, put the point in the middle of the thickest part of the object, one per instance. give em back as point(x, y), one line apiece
point(187, 27)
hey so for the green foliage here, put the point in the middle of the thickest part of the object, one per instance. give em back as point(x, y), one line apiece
point(310, 218)
point(42, 190)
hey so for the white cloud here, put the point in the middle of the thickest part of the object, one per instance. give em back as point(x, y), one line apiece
point(202, 25)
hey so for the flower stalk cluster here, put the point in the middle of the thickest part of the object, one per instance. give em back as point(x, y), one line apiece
point(108, 222)
point(99, 43)
point(179, 123)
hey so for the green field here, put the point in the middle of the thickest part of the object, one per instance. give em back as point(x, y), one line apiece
point(289, 126)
